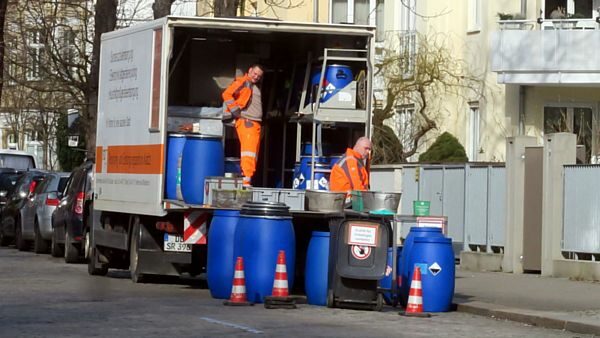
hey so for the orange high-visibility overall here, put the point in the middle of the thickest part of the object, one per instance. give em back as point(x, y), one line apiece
point(237, 97)
point(349, 173)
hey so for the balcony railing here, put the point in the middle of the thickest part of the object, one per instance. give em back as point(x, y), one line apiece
point(540, 24)
point(547, 52)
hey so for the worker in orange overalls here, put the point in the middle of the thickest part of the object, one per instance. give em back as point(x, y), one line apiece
point(242, 103)
point(350, 172)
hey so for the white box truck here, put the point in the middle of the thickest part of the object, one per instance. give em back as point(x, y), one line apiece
point(157, 75)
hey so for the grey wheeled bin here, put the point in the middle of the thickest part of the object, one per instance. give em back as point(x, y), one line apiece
point(358, 260)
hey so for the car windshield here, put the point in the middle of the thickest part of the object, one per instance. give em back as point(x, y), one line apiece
point(8, 181)
point(21, 162)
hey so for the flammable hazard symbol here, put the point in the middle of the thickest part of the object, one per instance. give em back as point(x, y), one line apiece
point(361, 252)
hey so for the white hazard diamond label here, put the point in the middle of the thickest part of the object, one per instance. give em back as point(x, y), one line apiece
point(435, 268)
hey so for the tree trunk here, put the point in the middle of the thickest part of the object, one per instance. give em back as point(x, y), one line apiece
point(3, 6)
point(161, 8)
point(105, 20)
point(226, 7)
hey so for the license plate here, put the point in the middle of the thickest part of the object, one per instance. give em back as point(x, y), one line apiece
point(175, 243)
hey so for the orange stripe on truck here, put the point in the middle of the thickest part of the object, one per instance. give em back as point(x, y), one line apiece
point(134, 159)
point(98, 159)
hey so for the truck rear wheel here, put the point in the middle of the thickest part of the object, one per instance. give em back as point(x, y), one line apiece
point(134, 266)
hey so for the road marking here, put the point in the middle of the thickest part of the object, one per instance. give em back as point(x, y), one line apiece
point(241, 327)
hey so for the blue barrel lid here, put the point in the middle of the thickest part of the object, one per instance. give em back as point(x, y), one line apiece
point(321, 234)
point(227, 213)
point(442, 240)
point(176, 135)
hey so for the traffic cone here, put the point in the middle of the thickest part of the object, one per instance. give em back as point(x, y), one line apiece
point(238, 288)
point(280, 296)
point(414, 306)
point(280, 284)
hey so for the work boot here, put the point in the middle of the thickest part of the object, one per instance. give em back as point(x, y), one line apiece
point(246, 182)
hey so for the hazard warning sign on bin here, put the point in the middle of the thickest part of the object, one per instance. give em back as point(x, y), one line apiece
point(362, 234)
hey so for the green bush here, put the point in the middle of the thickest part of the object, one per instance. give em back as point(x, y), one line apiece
point(445, 149)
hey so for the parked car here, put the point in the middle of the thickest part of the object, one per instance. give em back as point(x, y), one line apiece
point(69, 220)
point(37, 211)
point(11, 226)
point(8, 179)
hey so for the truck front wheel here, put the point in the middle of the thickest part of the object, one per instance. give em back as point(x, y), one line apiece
point(136, 236)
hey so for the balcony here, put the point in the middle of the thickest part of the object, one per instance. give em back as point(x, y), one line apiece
point(554, 52)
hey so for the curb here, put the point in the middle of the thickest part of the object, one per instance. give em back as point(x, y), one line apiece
point(531, 317)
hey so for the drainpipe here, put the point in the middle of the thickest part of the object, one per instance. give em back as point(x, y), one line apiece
point(315, 10)
point(524, 8)
point(522, 110)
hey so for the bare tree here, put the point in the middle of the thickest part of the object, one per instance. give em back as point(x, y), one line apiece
point(3, 7)
point(416, 70)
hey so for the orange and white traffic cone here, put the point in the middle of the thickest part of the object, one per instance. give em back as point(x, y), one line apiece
point(238, 288)
point(414, 306)
point(280, 297)
point(280, 283)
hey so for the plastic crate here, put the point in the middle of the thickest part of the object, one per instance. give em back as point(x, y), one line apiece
point(291, 197)
point(223, 198)
point(222, 183)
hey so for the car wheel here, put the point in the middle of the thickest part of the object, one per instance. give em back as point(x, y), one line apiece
point(20, 242)
point(134, 266)
point(95, 268)
point(71, 251)
point(55, 249)
point(4, 240)
point(40, 245)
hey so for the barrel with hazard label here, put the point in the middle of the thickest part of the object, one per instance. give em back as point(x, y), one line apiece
point(220, 260)
point(406, 253)
point(435, 258)
point(336, 78)
point(302, 171)
point(264, 228)
point(201, 157)
point(175, 143)
point(317, 267)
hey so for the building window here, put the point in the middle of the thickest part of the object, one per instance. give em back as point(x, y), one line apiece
point(35, 46)
point(404, 125)
point(575, 119)
point(359, 12)
point(473, 131)
point(474, 16)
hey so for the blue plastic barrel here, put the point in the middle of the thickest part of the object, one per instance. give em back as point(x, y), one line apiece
point(317, 267)
point(232, 165)
point(435, 258)
point(302, 172)
point(306, 149)
point(220, 260)
point(333, 159)
point(258, 240)
point(336, 78)
point(406, 253)
point(175, 143)
point(386, 282)
point(202, 156)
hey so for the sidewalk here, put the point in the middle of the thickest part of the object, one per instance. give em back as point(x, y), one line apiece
point(556, 303)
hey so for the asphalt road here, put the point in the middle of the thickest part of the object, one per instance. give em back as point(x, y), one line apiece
point(41, 296)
